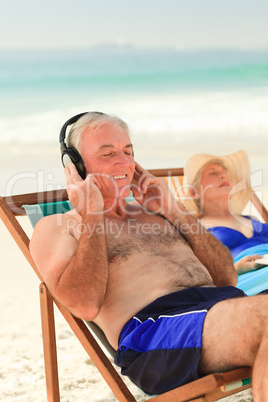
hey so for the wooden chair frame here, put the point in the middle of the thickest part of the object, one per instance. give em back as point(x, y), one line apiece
point(209, 388)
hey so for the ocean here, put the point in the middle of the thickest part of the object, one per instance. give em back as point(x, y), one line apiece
point(176, 102)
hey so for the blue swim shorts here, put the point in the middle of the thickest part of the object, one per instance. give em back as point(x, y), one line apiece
point(159, 349)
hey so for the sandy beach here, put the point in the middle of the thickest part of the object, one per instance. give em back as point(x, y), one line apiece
point(22, 369)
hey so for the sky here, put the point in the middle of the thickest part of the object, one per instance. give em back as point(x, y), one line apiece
point(179, 24)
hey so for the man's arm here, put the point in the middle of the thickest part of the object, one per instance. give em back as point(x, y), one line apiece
point(153, 194)
point(76, 271)
point(209, 250)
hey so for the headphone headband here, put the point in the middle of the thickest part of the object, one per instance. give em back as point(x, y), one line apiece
point(72, 120)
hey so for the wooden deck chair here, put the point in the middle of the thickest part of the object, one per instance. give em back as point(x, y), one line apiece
point(208, 388)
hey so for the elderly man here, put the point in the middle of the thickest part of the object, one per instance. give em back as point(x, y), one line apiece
point(159, 286)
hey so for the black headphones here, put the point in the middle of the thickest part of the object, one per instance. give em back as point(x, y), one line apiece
point(70, 154)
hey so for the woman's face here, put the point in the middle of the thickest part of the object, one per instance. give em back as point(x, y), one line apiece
point(214, 183)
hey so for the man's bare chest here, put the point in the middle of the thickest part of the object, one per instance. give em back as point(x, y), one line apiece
point(139, 235)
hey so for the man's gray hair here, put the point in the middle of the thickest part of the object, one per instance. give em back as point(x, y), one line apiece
point(92, 121)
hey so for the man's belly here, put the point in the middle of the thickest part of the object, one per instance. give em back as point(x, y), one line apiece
point(136, 283)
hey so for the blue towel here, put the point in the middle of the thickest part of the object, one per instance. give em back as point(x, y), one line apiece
point(253, 282)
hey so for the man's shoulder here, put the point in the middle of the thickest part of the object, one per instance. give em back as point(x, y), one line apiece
point(56, 221)
point(52, 228)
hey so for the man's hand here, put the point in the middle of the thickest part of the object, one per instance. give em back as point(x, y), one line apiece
point(152, 192)
point(85, 194)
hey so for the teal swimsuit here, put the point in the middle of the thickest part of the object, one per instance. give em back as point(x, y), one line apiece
point(240, 246)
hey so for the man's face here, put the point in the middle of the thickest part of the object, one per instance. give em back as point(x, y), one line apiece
point(107, 154)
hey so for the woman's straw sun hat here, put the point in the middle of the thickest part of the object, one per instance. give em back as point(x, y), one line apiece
point(237, 165)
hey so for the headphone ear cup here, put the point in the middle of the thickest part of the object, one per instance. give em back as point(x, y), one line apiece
point(70, 155)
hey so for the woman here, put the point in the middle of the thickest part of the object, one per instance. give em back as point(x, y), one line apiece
point(218, 189)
